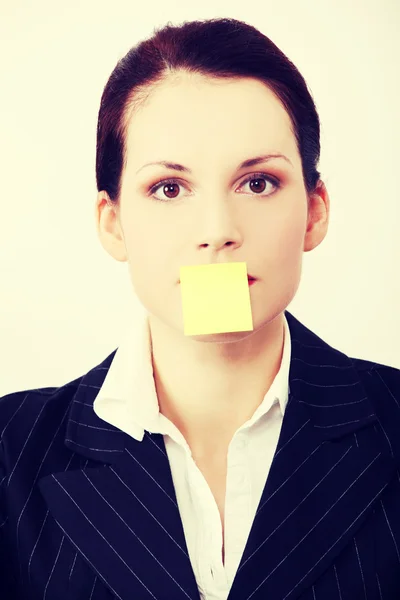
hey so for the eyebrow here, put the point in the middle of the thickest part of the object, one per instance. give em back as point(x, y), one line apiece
point(250, 162)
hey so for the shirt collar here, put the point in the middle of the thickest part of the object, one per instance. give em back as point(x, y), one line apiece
point(128, 399)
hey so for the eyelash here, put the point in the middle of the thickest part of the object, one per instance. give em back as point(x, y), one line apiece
point(154, 188)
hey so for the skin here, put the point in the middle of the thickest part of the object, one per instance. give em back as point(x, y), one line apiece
point(210, 385)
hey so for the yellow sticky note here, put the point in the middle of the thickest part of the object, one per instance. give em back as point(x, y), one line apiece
point(215, 298)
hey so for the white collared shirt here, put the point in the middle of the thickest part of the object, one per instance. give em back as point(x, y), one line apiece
point(128, 400)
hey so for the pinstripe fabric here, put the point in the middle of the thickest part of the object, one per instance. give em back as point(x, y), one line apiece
point(89, 513)
point(128, 400)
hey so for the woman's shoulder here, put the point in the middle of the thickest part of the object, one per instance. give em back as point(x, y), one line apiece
point(20, 410)
point(379, 371)
point(382, 385)
point(36, 411)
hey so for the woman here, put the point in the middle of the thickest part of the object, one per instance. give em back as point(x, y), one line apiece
point(258, 463)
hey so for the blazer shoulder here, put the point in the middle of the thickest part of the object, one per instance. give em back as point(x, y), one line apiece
point(37, 410)
point(368, 365)
point(382, 387)
point(382, 380)
point(18, 407)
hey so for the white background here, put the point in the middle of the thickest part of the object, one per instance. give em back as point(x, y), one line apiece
point(63, 299)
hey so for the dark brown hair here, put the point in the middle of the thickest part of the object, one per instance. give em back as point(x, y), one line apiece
point(216, 48)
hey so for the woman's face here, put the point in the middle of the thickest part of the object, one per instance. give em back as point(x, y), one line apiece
point(210, 213)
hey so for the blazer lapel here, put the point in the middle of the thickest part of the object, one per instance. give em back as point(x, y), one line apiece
point(121, 514)
point(327, 473)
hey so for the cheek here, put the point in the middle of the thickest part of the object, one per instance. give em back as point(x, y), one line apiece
point(281, 243)
point(149, 257)
point(283, 231)
point(289, 241)
point(288, 232)
point(141, 236)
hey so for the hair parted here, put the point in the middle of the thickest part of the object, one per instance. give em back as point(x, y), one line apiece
point(220, 48)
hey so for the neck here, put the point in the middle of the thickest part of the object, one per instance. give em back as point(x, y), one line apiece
point(209, 389)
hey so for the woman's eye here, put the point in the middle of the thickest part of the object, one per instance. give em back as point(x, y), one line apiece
point(257, 190)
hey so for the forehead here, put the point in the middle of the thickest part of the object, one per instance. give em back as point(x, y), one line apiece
point(191, 117)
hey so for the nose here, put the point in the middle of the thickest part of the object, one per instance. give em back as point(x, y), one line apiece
point(219, 244)
point(220, 229)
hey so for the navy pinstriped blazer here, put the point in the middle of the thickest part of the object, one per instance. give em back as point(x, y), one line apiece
point(89, 513)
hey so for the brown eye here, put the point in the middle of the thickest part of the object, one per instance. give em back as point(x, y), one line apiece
point(168, 185)
point(256, 188)
point(167, 190)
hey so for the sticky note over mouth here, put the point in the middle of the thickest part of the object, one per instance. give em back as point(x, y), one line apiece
point(215, 298)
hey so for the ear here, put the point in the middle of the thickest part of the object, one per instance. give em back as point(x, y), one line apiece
point(109, 228)
point(318, 217)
